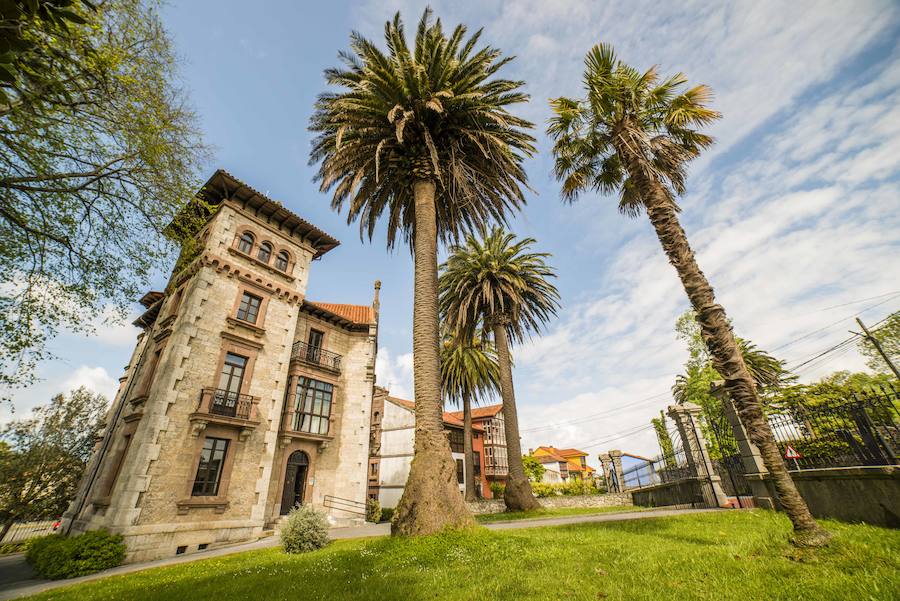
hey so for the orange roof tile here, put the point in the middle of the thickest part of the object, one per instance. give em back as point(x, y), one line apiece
point(481, 412)
point(359, 314)
point(449, 418)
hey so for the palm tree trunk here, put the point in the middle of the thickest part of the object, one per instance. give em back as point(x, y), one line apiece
point(467, 447)
point(517, 495)
point(431, 501)
point(728, 361)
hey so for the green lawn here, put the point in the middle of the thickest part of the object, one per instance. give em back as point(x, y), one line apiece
point(555, 512)
point(730, 555)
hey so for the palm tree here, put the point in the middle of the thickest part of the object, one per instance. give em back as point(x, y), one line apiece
point(498, 282)
point(635, 135)
point(422, 137)
point(469, 371)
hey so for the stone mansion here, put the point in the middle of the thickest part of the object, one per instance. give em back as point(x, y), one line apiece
point(242, 398)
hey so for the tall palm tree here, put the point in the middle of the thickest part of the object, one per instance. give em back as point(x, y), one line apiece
point(423, 137)
point(635, 135)
point(498, 282)
point(469, 371)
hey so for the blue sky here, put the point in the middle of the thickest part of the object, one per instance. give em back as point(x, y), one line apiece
point(794, 211)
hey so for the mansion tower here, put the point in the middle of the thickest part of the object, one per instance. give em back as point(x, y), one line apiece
point(242, 398)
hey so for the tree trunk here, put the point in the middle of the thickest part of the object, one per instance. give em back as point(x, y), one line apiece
point(467, 447)
point(517, 495)
point(728, 361)
point(431, 501)
point(5, 529)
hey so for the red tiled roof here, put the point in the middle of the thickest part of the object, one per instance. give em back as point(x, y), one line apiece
point(481, 412)
point(359, 314)
point(449, 418)
point(571, 452)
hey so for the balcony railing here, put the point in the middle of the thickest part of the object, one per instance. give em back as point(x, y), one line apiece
point(315, 355)
point(215, 401)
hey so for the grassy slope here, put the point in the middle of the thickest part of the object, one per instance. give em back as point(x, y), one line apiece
point(555, 512)
point(733, 555)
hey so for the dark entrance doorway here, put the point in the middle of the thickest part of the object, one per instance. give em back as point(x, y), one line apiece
point(294, 481)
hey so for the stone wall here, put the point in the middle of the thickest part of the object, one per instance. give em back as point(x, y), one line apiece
point(688, 491)
point(616, 499)
point(869, 494)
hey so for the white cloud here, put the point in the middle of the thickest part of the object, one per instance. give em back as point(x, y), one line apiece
point(96, 379)
point(395, 372)
point(795, 209)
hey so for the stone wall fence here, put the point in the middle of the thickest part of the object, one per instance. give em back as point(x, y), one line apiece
point(619, 499)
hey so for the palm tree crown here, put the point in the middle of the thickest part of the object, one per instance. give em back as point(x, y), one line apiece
point(630, 130)
point(468, 368)
point(497, 280)
point(434, 112)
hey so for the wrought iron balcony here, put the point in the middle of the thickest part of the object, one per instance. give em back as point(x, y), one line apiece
point(215, 401)
point(315, 355)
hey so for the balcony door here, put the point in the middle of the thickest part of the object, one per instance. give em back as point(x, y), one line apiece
point(230, 381)
point(314, 346)
point(294, 481)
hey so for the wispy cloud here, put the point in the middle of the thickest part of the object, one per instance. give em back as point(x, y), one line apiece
point(793, 211)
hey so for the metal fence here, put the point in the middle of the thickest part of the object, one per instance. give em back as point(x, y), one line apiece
point(676, 465)
point(863, 429)
point(26, 530)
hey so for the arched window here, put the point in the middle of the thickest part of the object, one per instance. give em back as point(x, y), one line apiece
point(265, 252)
point(246, 243)
point(281, 261)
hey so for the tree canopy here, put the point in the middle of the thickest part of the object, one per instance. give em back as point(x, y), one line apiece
point(99, 151)
point(42, 457)
point(436, 112)
point(888, 335)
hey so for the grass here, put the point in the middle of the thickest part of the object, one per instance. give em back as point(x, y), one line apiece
point(737, 555)
point(555, 512)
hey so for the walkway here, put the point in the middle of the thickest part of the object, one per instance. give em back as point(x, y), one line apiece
point(18, 580)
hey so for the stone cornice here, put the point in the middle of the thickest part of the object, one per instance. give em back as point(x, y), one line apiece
point(232, 268)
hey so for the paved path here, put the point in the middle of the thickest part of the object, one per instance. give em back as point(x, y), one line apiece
point(18, 580)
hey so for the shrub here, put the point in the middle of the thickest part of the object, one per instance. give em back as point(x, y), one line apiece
point(571, 488)
point(497, 490)
point(373, 511)
point(304, 530)
point(55, 556)
point(10, 548)
point(386, 514)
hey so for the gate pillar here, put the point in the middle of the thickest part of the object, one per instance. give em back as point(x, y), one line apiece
point(754, 469)
point(685, 416)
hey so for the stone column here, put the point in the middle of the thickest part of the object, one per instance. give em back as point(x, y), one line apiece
point(615, 457)
point(754, 469)
point(686, 417)
point(605, 466)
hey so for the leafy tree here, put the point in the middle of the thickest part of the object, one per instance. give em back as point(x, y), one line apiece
point(534, 469)
point(469, 371)
point(497, 281)
point(665, 439)
point(97, 153)
point(888, 336)
point(423, 138)
point(634, 134)
point(42, 458)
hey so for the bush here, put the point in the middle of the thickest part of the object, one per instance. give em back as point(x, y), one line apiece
point(497, 490)
point(304, 530)
point(386, 514)
point(10, 548)
point(373, 511)
point(570, 488)
point(56, 556)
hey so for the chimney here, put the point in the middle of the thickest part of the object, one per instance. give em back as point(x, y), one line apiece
point(376, 303)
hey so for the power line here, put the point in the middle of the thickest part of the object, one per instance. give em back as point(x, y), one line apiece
point(593, 416)
point(831, 325)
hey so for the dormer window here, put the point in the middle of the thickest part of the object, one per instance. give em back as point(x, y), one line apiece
point(281, 261)
point(246, 243)
point(265, 252)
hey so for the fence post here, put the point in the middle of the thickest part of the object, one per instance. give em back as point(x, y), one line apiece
point(686, 417)
point(605, 467)
point(615, 456)
point(754, 469)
